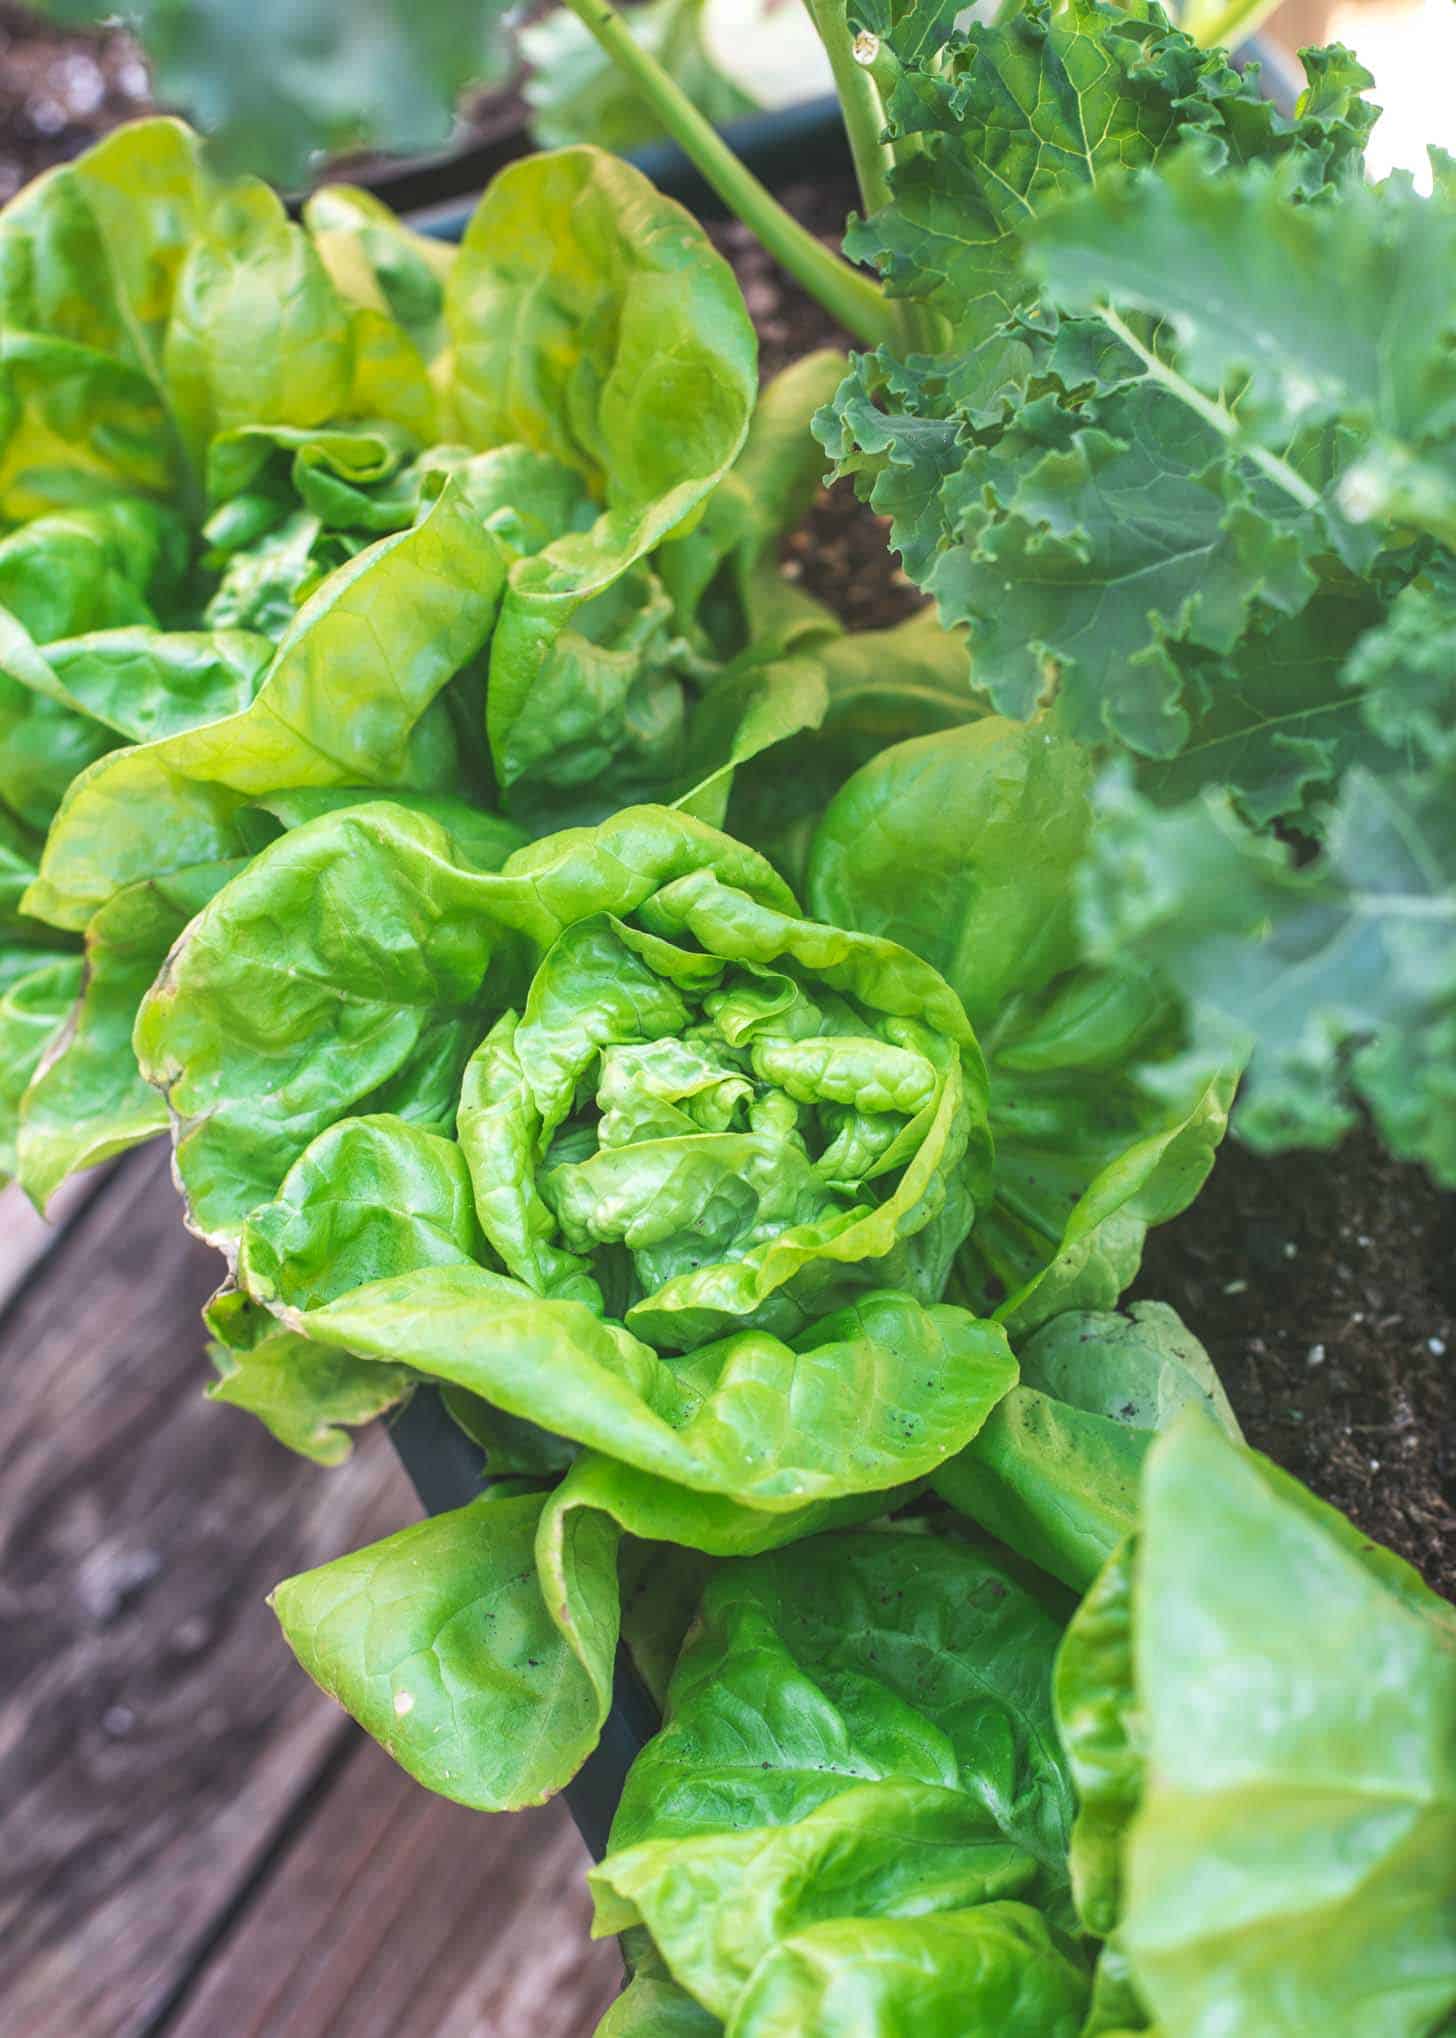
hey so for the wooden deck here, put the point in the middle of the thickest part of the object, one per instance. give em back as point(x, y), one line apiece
point(194, 1841)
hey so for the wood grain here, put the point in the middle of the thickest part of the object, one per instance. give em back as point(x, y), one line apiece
point(396, 1912)
point(164, 1765)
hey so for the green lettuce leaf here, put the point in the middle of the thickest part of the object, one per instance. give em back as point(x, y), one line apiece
point(305, 1394)
point(1055, 1471)
point(1098, 1722)
point(88, 1100)
point(881, 687)
point(874, 1395)
point(856, 1738)
point(37, 991)
point(439, 1643)
point(639, 372)
point(651, 2007)
point(991, 1972)
point(1291, 1865)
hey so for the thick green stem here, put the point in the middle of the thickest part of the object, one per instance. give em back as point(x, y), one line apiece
point(859, 102)
point(1225, 27)
point(847, 294)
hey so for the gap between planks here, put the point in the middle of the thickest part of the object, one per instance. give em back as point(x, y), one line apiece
point(178, 1798)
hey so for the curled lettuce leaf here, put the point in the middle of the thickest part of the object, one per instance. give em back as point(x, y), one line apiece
point(920, 1380)
point(307, 1395)
point(1087, 1154)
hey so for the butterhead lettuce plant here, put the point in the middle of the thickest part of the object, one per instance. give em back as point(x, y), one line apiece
point(677, 1193)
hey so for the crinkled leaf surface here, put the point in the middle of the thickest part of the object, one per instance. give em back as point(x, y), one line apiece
point(838, 1662)
point(346, 969)
point(1338, 975)
point(990, 1972)
point(855, 1732)
point(874, 1395)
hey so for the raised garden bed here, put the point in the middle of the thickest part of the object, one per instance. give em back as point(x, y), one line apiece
point(531, 1107)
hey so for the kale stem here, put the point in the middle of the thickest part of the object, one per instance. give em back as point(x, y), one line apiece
point(1223, 421)
point(860, 103)
point(846, 293)
point(1225, 26)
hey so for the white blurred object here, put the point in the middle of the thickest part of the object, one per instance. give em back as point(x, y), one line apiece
point(1411, 52)
point(770, 49)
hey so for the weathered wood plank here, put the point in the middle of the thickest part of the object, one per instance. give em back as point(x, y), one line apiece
point(27, 1238)
point(153, 1733)
point(398, 1913)
point(157, 1741)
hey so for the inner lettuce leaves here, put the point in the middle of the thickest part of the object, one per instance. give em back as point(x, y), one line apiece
point(676, 1096)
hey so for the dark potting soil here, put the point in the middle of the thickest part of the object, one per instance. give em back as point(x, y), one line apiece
point(1324, 1286)
point(840, 551)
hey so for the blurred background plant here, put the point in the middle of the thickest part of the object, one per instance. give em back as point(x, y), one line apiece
point(63, 83)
